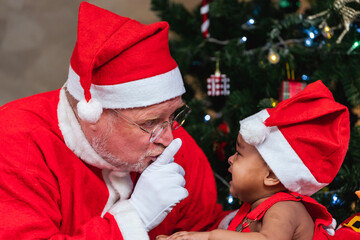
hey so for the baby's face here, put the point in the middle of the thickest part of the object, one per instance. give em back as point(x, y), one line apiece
point(248, 170)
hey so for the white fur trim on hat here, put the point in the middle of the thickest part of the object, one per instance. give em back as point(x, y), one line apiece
point(138, 93)
point(284, 161)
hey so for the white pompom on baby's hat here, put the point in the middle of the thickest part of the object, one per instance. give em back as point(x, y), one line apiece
point(254, 131)
point(89, 111)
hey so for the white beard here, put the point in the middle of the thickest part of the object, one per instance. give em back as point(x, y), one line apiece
point(99, 145)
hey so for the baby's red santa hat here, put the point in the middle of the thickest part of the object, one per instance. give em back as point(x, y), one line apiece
point(303, 139)
point(120, 63)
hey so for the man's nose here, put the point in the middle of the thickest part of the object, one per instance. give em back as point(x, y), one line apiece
point(166, 136)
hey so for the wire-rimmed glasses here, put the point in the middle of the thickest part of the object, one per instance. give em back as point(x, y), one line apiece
point(177, 119)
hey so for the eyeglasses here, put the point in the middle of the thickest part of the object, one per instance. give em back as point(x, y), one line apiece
point(177, 119)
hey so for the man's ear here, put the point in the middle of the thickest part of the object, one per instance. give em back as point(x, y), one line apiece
point(271, 179)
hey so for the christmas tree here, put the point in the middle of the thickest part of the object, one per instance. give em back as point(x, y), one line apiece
point(269, 50)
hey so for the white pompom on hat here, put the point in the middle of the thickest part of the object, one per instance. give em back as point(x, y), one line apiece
point(303, 139)
point(254, 132)
point(118, 62)
point(89, 111)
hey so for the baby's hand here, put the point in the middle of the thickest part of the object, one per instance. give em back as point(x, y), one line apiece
point(161, 237)
point(188, 236)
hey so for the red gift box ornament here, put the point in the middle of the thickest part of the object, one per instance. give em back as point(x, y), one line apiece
point(290, 87)
point(218, 84)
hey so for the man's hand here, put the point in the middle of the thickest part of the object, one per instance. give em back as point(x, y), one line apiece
point(161, 237)
point(159, 188)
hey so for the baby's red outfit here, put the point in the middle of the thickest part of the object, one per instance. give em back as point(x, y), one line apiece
point(318, 212)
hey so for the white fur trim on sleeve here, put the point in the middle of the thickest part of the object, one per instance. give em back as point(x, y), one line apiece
point(331, 228)
point(129, 223)
point(119, 185)
point(74, 137)
point(224, 224)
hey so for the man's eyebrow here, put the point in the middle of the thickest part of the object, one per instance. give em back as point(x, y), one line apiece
point(146, 119)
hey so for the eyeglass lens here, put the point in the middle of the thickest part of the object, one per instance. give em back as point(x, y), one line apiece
point(175, 123)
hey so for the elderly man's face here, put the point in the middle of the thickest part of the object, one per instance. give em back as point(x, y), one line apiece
point(124, 144)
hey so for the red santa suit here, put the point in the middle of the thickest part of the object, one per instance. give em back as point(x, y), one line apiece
point(318, 212)
point(55, 186)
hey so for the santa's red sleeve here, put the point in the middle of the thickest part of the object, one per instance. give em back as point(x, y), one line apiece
point(30, 199)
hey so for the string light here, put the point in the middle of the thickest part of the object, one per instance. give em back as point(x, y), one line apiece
point(311, 35)
point(308, 42)
point(251, 21)
point(250, 24)
point(230, 199)
point(207, 118)
point(335, 199)
point(305, 77)
point(312, 32)
point(353, 47)
point(274, 102)
point(273, 57)
point(327, 32)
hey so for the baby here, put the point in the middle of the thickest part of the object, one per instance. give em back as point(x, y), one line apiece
point(284, 155)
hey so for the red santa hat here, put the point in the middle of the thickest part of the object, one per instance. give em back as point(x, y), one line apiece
point(303, 139)
point(120, 63)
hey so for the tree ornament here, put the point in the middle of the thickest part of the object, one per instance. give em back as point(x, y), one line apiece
point(348, 15)
point(219, 146)
point(219, 149)
point(290, 87)
point(204, 10)
point(218, 84)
